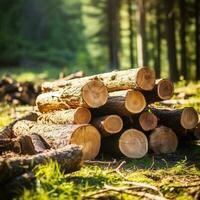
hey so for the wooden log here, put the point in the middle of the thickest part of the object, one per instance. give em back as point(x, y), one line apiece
point(138, 78)
point(32, 144)
point(26, 144)
point(86, 93)
point(163, 140)
point(58, 136)
point(125, 102)
point(108, 125)
point(69, 158)
point(131, 143)
point(145, 121)
point(163, 90)
point(71, 116)
point(177, 119)
point(78, 74)
point(10, 145)
point(7, 132)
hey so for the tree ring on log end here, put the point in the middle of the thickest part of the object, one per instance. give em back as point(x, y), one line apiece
point(165, 89)
point(82, 116)
point(145, 78)
point(89, 138)
point(189, 118)
point(163, 140)
point(113, 124)
point(148, 121)
point(133, 143)
point(95, 93)
point(135, 101)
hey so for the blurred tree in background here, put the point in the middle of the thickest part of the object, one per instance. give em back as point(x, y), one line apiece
point(102, 35)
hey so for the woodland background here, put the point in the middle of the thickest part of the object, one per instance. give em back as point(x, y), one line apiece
point(102, 35)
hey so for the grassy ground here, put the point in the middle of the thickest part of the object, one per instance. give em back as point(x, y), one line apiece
point(175, 176)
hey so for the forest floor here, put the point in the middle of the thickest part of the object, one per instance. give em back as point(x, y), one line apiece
point(171, 176)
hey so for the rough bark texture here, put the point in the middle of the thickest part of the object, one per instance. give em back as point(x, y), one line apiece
point(7, 131)
point(179, 119)
point(10, 145)
point(108, 125)
point(131, 143)
point(140, 78)
point(163, 140)
point(122, 103)
point(69, 157)
point(61, 135)
point(163, 90)
point(76, 93)
point(71, 116)
point(32, 144)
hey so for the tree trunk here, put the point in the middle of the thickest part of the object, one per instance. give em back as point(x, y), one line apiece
point(61, 135)
point(7, 132)
point(113, 16)
point(130, 143)
point(76, 93)
point(179, 119)
point(138, 78)
point(131, 33)
point(171, 40)
point(69, 157)
point(71, 116)
point(183, 17)
point(108, 125)
point(163, 140)
point(197, 38)
point(123, 103)
point(158, 40)
point(141, 38)
point(163, 90)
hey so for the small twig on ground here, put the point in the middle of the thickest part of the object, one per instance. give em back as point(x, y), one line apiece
point(100, 162)
point(144, 185)
point(153, 162)
point(125, 190)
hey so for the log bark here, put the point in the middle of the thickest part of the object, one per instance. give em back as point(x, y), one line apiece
point(10, 145)
point(163, 90)
point(138, 78)
point(32, 144)
point(61, 135)
point(71, 116)
point(130, 143)
point(123, 103)
point(144, 121)
point(7, 132)
point(69, 158)
point(76, 93)
point(108, 125)
point(177, 119)
point(163, 140)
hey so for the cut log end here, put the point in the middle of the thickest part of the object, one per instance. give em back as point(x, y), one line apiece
point(133, 143)
point(163, 140)
point(165, 89)
point(89, 138)
point(95, 93)
point(113, 124)
point(148, 121)
point(189, 118)
point(135, 101)
point(146, 78)
point(82, 116)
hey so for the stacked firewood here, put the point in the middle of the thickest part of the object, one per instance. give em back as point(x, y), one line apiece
point(16, 92)
point(112, 110)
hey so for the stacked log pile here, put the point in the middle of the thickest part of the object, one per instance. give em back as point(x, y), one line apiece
point(113, 112)
point(16, 92)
